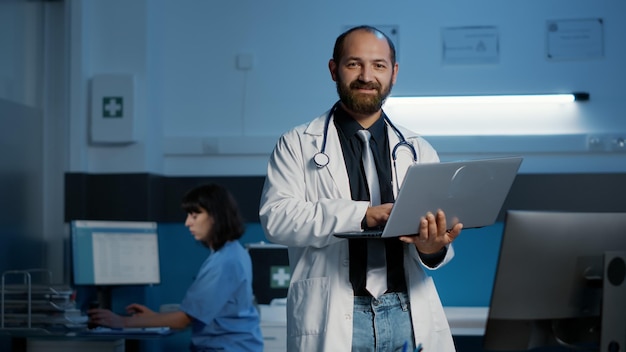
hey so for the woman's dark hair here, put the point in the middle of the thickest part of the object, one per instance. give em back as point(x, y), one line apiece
point(218, 202)
point(338, 50)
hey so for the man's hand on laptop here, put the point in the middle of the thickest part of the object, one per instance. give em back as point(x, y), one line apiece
point(433, 233)
point(378, 215)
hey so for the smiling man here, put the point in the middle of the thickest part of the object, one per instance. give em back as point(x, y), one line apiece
point(317, 185)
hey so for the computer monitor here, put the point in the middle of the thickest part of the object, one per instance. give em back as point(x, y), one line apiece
point(107, 253)
point(270, 271)
point(550, 286)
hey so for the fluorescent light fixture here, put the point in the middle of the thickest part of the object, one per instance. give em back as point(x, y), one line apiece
point(491, 99)
point(489, 114)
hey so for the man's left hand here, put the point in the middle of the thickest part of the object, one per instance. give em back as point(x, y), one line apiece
point(433, 233)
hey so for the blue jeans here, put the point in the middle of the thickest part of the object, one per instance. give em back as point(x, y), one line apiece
point(382, 324)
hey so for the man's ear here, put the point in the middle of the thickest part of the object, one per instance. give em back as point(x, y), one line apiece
point(396, 67)
point(332, 67)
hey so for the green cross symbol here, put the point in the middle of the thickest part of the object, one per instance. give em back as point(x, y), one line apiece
point(279, 276)
point(112, 107)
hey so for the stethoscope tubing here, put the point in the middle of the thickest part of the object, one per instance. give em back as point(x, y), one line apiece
point(321, 159)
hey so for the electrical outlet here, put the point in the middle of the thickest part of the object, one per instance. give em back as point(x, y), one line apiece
point(606, 143)
point(617, 144)
point(595, 143)
point(245, 61)
point(210, 145)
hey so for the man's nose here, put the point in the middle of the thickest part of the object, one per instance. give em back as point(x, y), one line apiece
point(366, 74)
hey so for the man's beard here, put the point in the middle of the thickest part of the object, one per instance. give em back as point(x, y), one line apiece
point(362, 103)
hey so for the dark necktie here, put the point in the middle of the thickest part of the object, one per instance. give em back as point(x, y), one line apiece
point(376, 279)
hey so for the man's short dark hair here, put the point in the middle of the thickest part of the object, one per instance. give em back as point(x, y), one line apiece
point(338, 50)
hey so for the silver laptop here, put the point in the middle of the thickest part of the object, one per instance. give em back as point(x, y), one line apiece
point(471, 191)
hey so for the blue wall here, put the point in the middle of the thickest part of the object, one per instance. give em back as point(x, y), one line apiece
point(181, 256)
point(466, 281)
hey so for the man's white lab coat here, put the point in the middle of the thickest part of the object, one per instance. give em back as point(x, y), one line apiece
point(302, 205)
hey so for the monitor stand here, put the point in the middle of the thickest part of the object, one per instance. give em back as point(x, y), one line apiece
point(103, 297)
point(103, 301)
point(613, 333)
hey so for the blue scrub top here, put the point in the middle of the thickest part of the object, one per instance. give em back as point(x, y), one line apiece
point(220, 301)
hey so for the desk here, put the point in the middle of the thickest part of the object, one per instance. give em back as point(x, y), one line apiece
point(38, 340)
point(467, 321)
point(274, 326)
point(39, 344)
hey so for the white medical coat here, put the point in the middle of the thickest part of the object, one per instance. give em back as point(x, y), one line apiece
point(302, 205)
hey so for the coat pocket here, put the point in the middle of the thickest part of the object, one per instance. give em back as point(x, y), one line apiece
point(307, 306)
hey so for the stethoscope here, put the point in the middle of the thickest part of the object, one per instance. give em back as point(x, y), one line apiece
point(321, 159)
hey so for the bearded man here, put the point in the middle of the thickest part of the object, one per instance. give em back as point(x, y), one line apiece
point(317, 185)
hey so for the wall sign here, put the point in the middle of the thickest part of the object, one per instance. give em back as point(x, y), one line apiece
point(575, 39)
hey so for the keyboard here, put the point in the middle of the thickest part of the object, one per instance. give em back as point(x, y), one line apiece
point(161, 330)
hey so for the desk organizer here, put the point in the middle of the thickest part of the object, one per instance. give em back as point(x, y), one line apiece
point(36, 306)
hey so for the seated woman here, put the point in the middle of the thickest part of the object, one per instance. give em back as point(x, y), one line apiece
point(219, 303)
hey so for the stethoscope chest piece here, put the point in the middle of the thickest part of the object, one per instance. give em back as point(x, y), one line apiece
point(321, 159)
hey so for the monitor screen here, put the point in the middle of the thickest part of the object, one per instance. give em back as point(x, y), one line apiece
point(548, 288)
point(270, 271)
point(114, 253)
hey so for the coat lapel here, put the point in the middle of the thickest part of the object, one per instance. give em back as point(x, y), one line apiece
point(335, 171)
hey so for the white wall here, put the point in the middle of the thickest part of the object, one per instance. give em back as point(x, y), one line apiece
point(198, 114)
